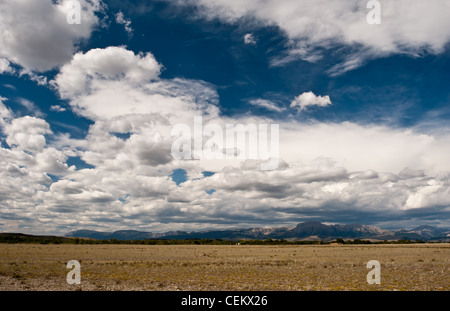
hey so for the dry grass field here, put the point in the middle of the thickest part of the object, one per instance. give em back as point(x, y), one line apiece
point(237, 267)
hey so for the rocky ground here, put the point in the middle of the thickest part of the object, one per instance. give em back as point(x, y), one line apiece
point(34, 267)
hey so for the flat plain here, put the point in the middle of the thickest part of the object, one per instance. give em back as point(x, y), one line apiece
point(410, 267)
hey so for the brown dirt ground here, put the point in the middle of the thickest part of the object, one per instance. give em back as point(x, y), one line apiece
point(31, 267)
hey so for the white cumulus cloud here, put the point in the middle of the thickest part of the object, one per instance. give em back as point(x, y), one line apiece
point(249, 38)
point(309, 99)
point(5, 66)
point(36, 34)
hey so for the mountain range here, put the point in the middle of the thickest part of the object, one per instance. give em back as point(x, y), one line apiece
point(311, 230)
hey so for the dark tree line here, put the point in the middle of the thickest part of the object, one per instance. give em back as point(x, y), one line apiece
point(21, 238)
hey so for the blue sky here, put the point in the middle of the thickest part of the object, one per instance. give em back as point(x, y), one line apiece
point(86, 113)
